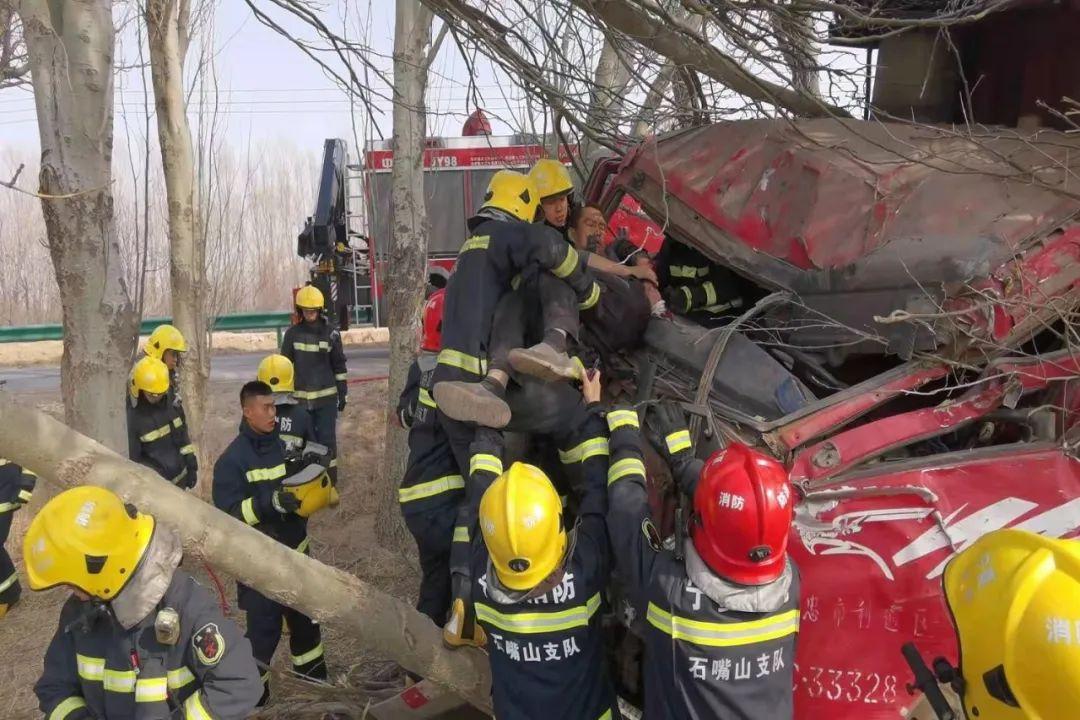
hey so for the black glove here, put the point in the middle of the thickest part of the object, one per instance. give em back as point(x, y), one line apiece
point(665, 428)
point(341, 402)
point(285, 502)
point(189, 482)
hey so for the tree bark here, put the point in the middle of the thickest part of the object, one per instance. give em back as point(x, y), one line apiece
point(167, 23)
point(383, 624)
point(682, 45)
point(70, 47)
point(407, 267)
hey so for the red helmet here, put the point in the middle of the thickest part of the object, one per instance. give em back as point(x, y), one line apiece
point(431, 338)
point(742, 515)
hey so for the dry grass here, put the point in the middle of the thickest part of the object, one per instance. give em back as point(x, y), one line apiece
point(343, 537)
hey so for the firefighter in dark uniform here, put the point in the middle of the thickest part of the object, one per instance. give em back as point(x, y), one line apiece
point(293, 423)
point(168, 345)
point(249, 484)
point(16, 487)
point(721, 612)
point(157, 434)
point(314, 348)
point(139, 639)
point(538, 585)
point(433, 485)
point(695, 287)
point(430, 344)
point(504, 244)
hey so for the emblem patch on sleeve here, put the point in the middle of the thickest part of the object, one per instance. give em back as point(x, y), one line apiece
point(208, 644)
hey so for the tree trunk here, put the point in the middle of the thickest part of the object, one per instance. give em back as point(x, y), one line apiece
point(167, 23)
point(70, 47)
point(380, 622)
point(407, 268)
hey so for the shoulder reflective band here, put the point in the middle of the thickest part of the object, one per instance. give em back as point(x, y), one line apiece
point(270, 473)
point(188, 449)
point(151, 690)
point(710, 293)
point(247, 509)
point(431, 488)
point(712, 634)
point(461, 534)
point(624, 467)
point(90, 668)
point(480, 242)
point(310, 656)
point(678, 441)
point(65, 708)
point(178, 422)
point(8, 581)
point(590, 448)
point(341, 377)
point(535, 622)
point(483, 462)
point(458, 359)
point(569, 263)
point(180, 677)
point(314, 394)
point(194, 709)
point(156, 434)
point(594, 297)
point(426, 399)
point(622, 418)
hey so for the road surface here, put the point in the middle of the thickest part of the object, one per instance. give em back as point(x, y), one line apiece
point(363, 361)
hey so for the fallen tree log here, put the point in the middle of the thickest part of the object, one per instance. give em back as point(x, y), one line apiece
point(382, 623)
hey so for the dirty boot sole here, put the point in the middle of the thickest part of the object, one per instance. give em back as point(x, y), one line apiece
point(549, 368)
point(472, 402)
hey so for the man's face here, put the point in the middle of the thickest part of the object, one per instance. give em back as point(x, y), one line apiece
point(310, 315)
point(153, 398)
point(589, 226)
point(260, 413)
point(555, 210)
point(171, 358)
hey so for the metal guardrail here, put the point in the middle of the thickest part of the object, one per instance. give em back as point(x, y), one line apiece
point(240, 321)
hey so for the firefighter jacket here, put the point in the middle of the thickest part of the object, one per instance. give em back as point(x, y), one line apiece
point(319, 362)
point(293, 424)
point(101, 667)
point(496, 252)
point(692, 284)
point(432, 478)
point(16, 487)
point(158, 438)
point(247, 475)
point(546, 653)
point(713, 649)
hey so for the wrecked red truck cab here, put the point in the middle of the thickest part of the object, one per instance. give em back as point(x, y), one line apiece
point(908, 357)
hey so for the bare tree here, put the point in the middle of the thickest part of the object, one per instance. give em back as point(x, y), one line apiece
point(408, 247)
point(14, 66)
point(168, 34)
point(70, 49)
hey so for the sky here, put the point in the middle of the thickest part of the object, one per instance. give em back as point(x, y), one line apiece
point(270, 91)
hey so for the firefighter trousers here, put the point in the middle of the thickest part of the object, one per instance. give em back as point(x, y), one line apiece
point(324, 424)
point(433, 531)
point(9, 581)
point(264, 619)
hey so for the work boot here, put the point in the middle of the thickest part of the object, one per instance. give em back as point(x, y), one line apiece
point(462, 629)
point(544, 362)
point(476, 402)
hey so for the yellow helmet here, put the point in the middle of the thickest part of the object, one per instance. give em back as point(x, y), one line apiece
point(165, 337)
point(87, 538)
point(521, 520)
point(512, 192)
point(277, 372)
point(309, 297)
point(1015, 599)
point(149, 375)
point(551, 178)
point(312, 487)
